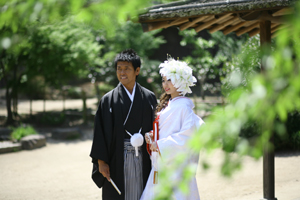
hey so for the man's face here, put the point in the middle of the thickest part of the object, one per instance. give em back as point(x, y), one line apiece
point(126, 73)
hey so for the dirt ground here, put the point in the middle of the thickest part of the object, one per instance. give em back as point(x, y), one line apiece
point(62, 171)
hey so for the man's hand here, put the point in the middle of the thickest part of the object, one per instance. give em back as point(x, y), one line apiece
point(104, 169)
point(148, 137)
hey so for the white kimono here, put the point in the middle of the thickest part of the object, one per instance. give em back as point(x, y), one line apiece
point(177, 123)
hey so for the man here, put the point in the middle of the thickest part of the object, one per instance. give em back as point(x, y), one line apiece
point(124, 111)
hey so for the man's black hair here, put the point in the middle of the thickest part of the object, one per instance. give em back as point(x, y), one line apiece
point(128, 55)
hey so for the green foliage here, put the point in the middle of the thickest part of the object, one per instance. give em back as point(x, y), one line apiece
point(34, 88)
point(206, 64)
point(52, 119)
point(104, 88)
point(53, 52)
point(201, 59)
point(295, 140)
point(130, 35)
point(74, 92)
point(61, 50)
point(55, 39)
point(228, 45)
point(287, 132)
point(242, 69)
point(266, 99)
point(22, 131)
point(243, 66)
point(16, 15)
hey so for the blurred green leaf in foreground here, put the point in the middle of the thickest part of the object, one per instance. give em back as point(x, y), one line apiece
point(266, 99)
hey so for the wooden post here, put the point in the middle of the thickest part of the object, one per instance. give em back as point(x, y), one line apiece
point(268, 155)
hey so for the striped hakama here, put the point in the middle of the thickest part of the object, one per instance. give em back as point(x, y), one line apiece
point(133, 172)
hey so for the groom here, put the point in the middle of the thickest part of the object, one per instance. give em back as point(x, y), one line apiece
point(127, 109)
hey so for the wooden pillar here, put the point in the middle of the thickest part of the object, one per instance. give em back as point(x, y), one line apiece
point(268, 155)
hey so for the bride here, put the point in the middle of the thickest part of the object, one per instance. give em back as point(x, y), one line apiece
point(173, 127)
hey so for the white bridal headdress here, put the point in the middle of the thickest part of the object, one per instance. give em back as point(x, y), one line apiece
point(180, 74)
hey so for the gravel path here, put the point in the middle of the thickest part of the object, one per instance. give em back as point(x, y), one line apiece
point(61, 171)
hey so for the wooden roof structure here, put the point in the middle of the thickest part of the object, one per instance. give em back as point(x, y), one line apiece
point(239, 16)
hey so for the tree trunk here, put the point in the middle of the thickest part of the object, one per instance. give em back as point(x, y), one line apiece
point(64, 100)
point(15, 91)
point(44, 107)
point(15, 102)
point(98, 93)
point(202, 80)
point(30, 107)
point(84, 108)
point(9, 119)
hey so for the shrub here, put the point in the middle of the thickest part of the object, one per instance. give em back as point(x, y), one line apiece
point(74, 92)
point(53, 118)
point(104, 88)
point(295, 140)
point(249, 130)
point(290, 140)
point(22, 131)
point(34, 88)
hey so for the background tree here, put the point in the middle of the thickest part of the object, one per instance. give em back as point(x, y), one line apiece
point(241, 74)
point(20, 19)
point(208, 56)
point(56, 52)
point(130, 35)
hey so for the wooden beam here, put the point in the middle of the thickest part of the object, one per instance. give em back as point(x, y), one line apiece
point(163, 24)
point(254, 32)
point(235, 27)
point(276, 28)
point(178, 21)
point(155, 25)
point(209, 23)
point(250, 16)
point(274, 25)
point(224, 17)
point(265, 16)
point(284, 11)
point(247, 29)
point(231, 20)
point(189, 24)
point(275, 34)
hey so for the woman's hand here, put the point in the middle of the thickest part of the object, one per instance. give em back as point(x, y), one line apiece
point(154, 147)
point(148, 137)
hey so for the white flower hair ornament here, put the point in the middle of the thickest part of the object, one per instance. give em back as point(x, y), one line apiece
point(180, 74)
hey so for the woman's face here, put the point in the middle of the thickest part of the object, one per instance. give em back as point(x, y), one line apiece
point(169, 87)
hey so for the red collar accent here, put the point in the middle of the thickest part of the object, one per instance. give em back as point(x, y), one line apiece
point(157, 118)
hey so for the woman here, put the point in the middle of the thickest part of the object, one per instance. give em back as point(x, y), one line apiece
point(173, 127)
